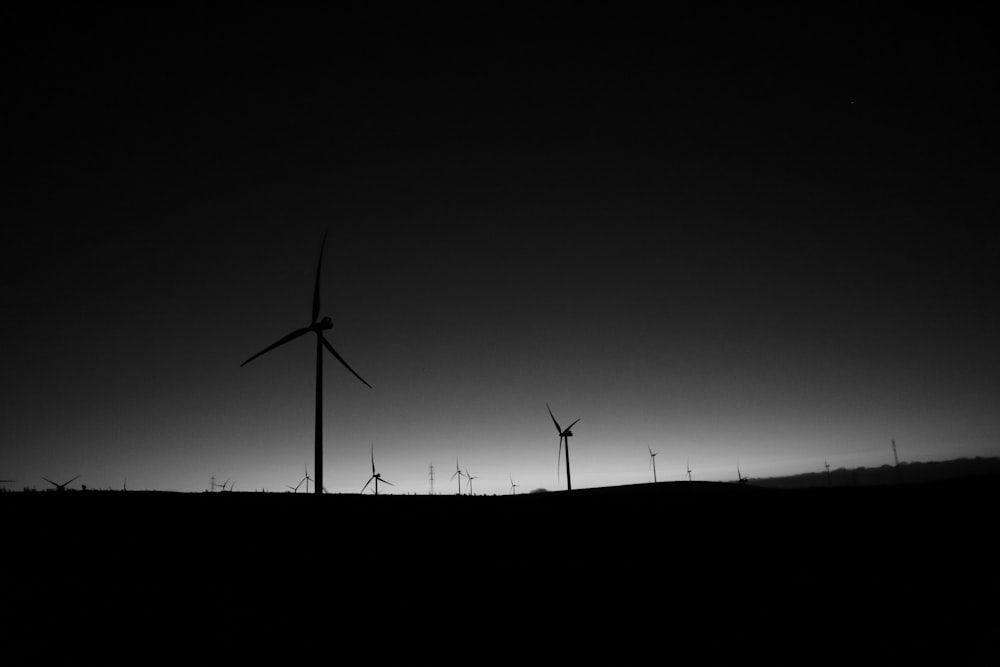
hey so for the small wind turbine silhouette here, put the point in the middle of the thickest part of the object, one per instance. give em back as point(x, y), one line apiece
point(513, 487)
point(459, 474)
point(318, 327)
point(61, 487)
point(307, 479)
point(652, 461)
point(224, 484)
point(469, 483)
point(375, 476)
point(564, 434)
point(743, 480)
point(689, 470)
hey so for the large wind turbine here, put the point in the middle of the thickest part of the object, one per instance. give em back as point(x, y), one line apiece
point(61, 487)
point(376, 476)
point(318, 327)
point(513, 487)
point(459, 474)
point(652, 462)
point(564, 435)
point(469, 477)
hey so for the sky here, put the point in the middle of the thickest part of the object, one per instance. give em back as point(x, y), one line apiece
point(742, 237)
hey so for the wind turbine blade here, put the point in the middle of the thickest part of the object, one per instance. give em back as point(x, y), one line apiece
point(72, 480)
point(367, 483)
point(319, 265)
point(341, 360)
point(50, 481)
point(650, 450)
point(385, 482)
point(559, 458)
point(457, 472)
point(572, 425)
point(558, 428)
point(373, 459)
point(292, 336)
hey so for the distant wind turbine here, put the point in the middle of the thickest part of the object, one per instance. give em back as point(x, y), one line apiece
point(469, 477)
point(743, 480)
point(652, 461)
point(375, 476)
point(513, 487)
point(458, 473)
point(318, 327)
point(61, 487)
point(689, 470)
point(564, 435)
point(306, 479)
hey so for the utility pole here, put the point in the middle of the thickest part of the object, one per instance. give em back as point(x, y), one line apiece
point(432, 479)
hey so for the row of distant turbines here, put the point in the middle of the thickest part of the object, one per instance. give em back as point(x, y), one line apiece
point(318, 326)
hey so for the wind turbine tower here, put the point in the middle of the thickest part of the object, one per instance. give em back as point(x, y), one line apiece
point(652, 461)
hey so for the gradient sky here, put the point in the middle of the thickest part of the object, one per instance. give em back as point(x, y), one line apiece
point(757, 237)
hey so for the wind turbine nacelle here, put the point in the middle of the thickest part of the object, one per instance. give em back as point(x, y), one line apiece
point(323, 325)
point(568, 434)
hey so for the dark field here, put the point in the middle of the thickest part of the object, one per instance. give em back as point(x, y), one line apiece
point(688, 573)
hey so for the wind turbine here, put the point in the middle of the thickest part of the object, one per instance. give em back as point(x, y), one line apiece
point(743, 480)
point(459, 474)
point(376, 476)
point(318, 327)
point(689, 470)
point(652, 461)
point(61, 487)
point(470, 478)
point(564, 434)
point(513, 487)
point(306, 479)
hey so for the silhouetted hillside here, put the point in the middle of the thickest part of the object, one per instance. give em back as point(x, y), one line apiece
point(906, 473)
point(705, 573)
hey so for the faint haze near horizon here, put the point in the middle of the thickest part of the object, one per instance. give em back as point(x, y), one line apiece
point(726, 237)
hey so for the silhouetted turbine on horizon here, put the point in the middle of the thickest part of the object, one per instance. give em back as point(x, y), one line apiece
point(689, 470)
point(460, 474)
point(61, 487)
point(652, 462)
point(317, 327)
point(376, 476)
point(469, 483)
point(564, 435)
point(743, 480)
point(513, 487)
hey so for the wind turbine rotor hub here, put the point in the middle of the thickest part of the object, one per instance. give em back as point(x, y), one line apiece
point(323, 325)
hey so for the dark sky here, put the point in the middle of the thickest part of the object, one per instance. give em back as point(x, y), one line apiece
point(755, 235)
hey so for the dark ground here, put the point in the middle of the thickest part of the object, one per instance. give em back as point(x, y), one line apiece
point(689, 573)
